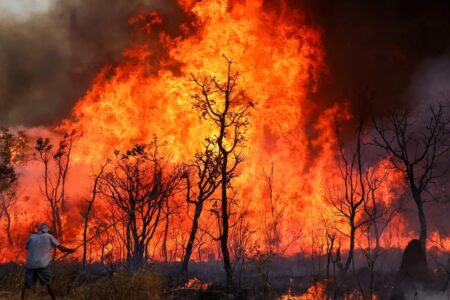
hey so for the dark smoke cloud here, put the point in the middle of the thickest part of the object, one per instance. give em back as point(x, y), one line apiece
point(378, 44)
point(47, 60)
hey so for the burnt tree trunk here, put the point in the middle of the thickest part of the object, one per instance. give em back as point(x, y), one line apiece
point(230, 115)
point(329, 253)
point(166, 232)
point(225, 225)
point(190, 244)
point(8, 226)
point(422, 221)
point(376, 230)
point(350, 249)
point(85, 234)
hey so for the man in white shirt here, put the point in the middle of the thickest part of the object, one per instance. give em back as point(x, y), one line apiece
point(39, 246)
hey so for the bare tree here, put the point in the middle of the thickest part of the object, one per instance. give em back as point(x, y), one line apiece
point(87, 213)
point(55, 182)
point(318, 241)
point(166, 210)
point(103, 237)
point(138, 185)
point(169, 209)
point(227, 108)
point(274, 221)
point(378, 214)
point(240, 242)
point(202, 178)
point(348, 200)
point(330, 239)
point(371, 257)
point(8, 199)
point(415, 152)
point(12, 149)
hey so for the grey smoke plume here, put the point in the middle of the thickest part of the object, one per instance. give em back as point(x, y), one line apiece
point(48, 58)
point(430, 84)
point(378, 44)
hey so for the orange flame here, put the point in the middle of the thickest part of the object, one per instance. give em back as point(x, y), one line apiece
point(280, 60)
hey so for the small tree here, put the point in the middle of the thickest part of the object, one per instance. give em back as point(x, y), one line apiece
point(227, 108)
point(348, 200)
point(330, 236)
point(137, 186)
point(371, 258)
point(12, 149)
point(55, 182)
point(415, 151)
point(87, 213)
point(202, 178)
point(378, 214)
point(273, 222)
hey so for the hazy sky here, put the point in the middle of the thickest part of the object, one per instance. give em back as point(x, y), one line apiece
point(23, 8)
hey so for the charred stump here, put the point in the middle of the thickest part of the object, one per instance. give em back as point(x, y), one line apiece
point(414, 275)
point(414, 262)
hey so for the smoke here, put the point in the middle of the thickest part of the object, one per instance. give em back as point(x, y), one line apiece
point(430, 83)
point(429, 87)
point(378, 45)
point(50, 52)
point(48, 57)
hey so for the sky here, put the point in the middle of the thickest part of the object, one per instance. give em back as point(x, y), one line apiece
point(23, 8)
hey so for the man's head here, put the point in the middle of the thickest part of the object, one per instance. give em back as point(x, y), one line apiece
point(44, 228)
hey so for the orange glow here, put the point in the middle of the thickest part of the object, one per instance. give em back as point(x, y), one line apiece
point(280, 60)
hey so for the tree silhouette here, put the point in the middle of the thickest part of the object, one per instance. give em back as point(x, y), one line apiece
point(415, 151)
point(55, 182)
point(202, 176)
point(11, 152)
point(138, 185)
point(348, 199)
point(378, 214)
point(227, 107)
point(87, 213)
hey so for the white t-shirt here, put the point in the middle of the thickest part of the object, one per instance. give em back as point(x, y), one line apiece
point(39, 247)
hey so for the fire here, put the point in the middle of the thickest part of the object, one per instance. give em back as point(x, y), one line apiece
point(316, 291)
point(150, 94)
point(278, 66)
point(319, 291)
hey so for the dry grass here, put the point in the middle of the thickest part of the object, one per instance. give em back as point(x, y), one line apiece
point(70, 285)
point(139, 286)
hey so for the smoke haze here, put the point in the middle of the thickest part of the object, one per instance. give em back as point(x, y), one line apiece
point(49, 53)
point(47, 58)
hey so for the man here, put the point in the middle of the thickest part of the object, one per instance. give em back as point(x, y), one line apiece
point(39, 246)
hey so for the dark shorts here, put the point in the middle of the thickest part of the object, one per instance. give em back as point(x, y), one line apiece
point(44, 275)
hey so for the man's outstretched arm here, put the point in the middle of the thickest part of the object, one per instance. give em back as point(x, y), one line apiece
point(65, 249)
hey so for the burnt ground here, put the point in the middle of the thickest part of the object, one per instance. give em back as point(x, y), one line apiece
point(268, 278)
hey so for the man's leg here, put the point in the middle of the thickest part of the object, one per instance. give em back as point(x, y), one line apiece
point(45, 278)
point(50, 291)
point(24, 292)
point(29, 280)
